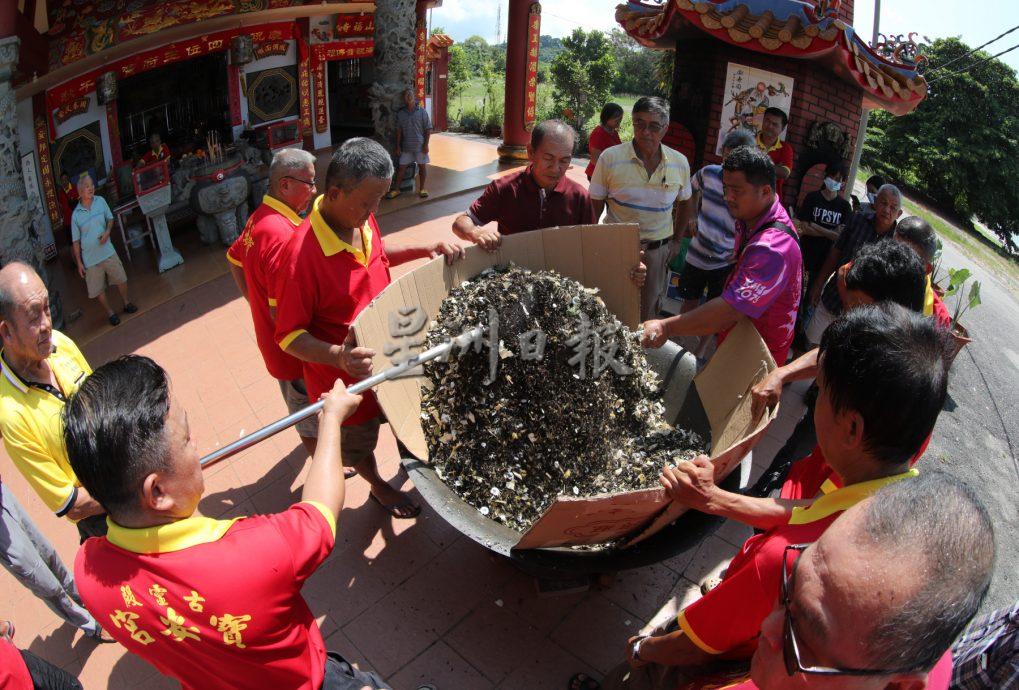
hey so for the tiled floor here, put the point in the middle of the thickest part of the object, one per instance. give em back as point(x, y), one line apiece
point(413, 600)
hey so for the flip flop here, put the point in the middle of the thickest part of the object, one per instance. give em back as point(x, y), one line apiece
point(9, 635)
point(393, 194)
point(423, 194)
point(394, 508)
point(582, 681)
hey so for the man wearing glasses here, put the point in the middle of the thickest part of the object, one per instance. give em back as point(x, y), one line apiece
point(255, 260)
point(869, 425)
point(648, 183)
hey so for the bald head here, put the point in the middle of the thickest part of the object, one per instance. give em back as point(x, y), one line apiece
point(16, 279)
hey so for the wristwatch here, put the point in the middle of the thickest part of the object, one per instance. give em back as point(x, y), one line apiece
point(635, 650)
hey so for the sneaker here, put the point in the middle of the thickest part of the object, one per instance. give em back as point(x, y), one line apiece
point(130, 308)
point(114, 320)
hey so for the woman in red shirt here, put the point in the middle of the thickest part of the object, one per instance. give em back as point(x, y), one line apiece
point(604, 135)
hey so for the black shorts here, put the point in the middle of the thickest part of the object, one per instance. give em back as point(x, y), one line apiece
point(693, 280)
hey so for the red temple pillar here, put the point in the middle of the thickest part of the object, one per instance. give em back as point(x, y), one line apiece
point(440, 90)
point(515, 134)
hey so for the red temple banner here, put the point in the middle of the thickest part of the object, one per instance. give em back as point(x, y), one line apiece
point(113, 127)
point(531, 82)
point(69, 110)
point(164, 55)
point(420, 57)
point(49, 186)
point(355, 25)
point(304, 83)
point(233, 81)
point(321, 117)
point(267, 48)
point(341, 50)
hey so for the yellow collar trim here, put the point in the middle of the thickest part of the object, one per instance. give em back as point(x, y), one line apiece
point(278, 206)
point(928, 299)
point(175, 536)
point(842, 499)
point(331, 244)
point(760, 144)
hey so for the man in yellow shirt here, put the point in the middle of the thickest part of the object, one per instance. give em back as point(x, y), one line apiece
point(41, 367)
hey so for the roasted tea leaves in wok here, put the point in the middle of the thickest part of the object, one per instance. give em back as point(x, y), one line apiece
point(560, 402)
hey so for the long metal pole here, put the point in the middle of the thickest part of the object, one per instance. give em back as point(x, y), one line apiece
point(861, 132)
point(463, 341)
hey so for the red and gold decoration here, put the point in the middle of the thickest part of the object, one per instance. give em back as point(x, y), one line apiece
point(234, 86)
point(321, 116)
point(342, 50)
point(113, 127)
point(420, 59)
point(269, 48)
point(304, 87)
point(531, 83)
point(49, 185)
point(69, 110)
point(157, 57)
point(355, 25)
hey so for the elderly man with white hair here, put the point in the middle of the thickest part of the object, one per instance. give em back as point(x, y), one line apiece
point(98, 263)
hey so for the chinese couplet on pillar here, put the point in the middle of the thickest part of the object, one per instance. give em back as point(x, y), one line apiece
point(304, 88)
point(321, 118)
point(234, 87)
point(49, 186)
point(531, 84)
point(419, 60)
point(113, 127)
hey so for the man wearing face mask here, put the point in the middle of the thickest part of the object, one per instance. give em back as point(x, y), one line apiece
point(822, 216)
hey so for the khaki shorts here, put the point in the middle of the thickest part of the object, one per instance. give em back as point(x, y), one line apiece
point(96, 276)
point(296, 397)
point(357, 442)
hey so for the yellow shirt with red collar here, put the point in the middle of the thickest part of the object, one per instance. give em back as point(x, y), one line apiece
point(32, 428)
point(214, 603)
point(322, 287)
point(727, 620)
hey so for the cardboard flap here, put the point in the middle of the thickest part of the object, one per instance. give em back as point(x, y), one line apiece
point(595, 519)
point(724, 389)
point(597, 256)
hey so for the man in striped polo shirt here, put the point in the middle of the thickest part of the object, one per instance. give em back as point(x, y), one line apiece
point(648, 183)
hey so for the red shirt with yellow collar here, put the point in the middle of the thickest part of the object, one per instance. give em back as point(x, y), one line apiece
point(324, 285)
point(727, 620)
point(781, 154)
point(151, 156)
point(214, 603)
point(259, 252)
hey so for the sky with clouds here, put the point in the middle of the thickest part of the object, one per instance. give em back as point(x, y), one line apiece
point(975, 22)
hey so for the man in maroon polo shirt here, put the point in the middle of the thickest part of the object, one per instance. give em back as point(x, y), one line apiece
point(540, 196)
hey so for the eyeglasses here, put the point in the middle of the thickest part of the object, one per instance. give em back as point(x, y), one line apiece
point(791, 648)
point(311, 185)
point(652, 127)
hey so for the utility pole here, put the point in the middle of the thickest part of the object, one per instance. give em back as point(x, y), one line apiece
point(861, 133)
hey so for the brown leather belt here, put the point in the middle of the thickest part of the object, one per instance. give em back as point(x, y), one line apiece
point(655, 245)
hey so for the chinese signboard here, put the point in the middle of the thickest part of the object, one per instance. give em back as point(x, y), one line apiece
point(419, 61)
point(342, 50)
point(69, 110)
point(531, 84)
point(748, 93)
point(321, 120)
point(271, 48)
point(355, 25)
point(49, 187)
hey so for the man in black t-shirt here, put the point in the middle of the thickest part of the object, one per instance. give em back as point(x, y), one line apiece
point(822, 217)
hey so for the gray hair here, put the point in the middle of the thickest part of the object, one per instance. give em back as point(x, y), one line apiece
point(84, 179)
point(285, 162)
point(892, 191)
point(355, 161)
point(937, 522)
point(7, 301)
point(553, 129)
point(738, 137)
point(657, 106)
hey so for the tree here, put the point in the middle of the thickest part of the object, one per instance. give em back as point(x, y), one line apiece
point(636, 65)
point(477, 50)
point(959, 145)
point(583, 74)
point(459, 74)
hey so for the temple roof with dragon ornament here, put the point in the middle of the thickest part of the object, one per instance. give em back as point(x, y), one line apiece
point(888, 75)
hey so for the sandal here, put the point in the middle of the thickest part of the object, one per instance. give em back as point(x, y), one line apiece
point(582, 681)
point(423, 194)
point(709, 583)
point(392, 194)
point(9, 633)
point(394, 508)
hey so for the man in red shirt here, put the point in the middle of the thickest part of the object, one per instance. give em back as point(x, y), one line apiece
point(869, 425)
point(780, 152)
point(256, 257)
point(157, 150)
point(540, 196)
point(335, 264)
point(919, 236)
point(212, 603)
point(876, 602)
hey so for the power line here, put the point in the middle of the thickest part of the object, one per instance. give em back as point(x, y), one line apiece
point(978, 62)
point(956, 59)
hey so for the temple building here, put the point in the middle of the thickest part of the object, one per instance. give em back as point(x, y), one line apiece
point(736, 58)
point(222, 83)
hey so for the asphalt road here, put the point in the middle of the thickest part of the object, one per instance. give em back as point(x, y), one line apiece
point(977, 435)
